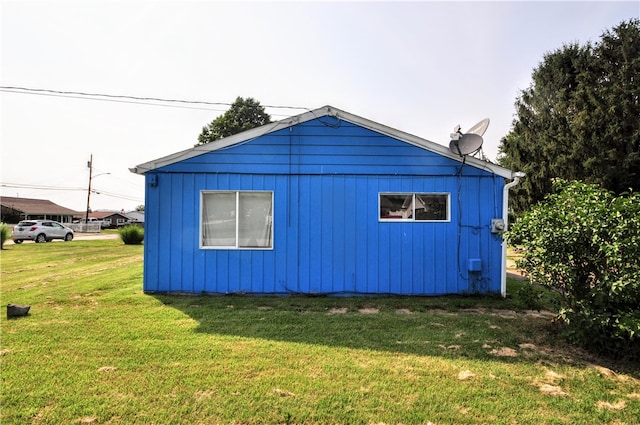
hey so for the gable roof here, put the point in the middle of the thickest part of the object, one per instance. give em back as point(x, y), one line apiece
point(35, 206)
point(311, 115)
point(136, 216)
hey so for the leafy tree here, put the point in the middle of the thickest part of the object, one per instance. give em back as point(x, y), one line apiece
point(244, 114)
point(140, 208)
point(584, 242)
point(580, 118)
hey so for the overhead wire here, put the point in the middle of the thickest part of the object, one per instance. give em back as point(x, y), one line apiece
point(151, 101)
point(69, 189)
point(98, 191)
point(38, 187)
point(139, 100)
point(111, 100)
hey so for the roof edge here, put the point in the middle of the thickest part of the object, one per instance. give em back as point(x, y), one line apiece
point(242, 137)
point(422, 143)
point(323, 111)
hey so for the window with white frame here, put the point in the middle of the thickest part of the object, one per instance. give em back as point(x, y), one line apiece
point(236, 220)
point(414, 207)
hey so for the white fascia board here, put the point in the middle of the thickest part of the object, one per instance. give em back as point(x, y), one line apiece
point(308, 116)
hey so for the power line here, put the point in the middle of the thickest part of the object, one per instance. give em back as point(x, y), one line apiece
point(69, 189)
point(115, 195)
point(113, 100)
point(126, 98)
point(38, 187)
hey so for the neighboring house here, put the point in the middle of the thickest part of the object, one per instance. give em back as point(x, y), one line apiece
point(325, 202)
point(136, 217)
point(16, 209)
point(110, 219)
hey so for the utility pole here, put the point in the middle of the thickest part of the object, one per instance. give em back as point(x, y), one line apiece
point(86, 218)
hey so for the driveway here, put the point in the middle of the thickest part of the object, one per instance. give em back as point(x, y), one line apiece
point(78, 236)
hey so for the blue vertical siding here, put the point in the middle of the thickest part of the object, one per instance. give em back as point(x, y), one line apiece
point(326, 182)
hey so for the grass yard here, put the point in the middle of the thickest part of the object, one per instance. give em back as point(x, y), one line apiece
point(96, 350)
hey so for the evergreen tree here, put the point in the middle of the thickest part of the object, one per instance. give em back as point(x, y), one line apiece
point(580, 118)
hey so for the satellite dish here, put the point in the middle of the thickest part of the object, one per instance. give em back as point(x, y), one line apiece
point(470, 142)
point(479, 128)
point(467, 144)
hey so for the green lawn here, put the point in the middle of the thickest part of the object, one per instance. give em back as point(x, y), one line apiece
point(95, 349)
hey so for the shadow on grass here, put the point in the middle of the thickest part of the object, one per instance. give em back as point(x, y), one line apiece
point(453, 327)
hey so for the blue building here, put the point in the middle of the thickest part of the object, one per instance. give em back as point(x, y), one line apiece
point(325, 202)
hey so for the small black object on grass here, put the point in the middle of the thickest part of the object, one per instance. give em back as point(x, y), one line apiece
point(17, 310)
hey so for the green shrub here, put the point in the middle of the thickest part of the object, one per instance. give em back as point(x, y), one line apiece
point(5, 233)
point(131, 235)
point(584, 242)
point(529, 296)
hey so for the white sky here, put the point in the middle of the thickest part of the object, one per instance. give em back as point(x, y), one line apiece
point(420, 67)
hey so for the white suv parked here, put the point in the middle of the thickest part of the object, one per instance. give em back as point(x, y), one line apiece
point(40, 231)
